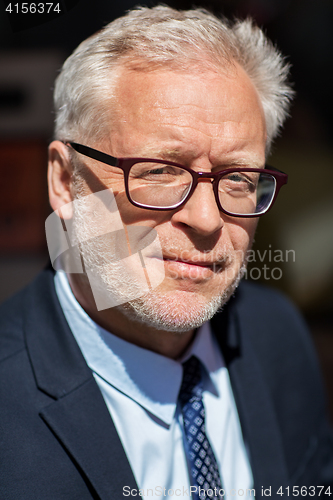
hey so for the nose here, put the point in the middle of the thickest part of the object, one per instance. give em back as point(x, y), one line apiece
point(201, 212)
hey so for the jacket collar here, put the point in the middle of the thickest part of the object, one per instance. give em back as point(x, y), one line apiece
point(253, 399)
point(77, 414)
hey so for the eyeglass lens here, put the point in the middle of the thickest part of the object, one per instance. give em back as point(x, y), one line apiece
point(166, 186)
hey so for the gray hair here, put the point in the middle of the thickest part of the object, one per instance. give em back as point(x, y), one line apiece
point(149, 38)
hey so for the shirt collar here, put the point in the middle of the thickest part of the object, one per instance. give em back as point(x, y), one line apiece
point(155, 380)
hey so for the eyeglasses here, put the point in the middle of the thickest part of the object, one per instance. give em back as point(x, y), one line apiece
point(165, 185)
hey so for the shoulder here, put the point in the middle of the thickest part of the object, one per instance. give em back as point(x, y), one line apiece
point(284, 353)
point(277, 330)
point(251, 295)
point(270, 327)
point(11, 325)
point(13, 312)
point(273, 329)
point(270, 317)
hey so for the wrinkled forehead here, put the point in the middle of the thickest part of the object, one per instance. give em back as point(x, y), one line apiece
point(211, 101)
point(133, 79)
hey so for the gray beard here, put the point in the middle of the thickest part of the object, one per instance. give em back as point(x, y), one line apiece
point(164, 311)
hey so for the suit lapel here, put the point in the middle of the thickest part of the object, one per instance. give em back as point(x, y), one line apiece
point(253, 400)
point(81, 422)
point(77, 415)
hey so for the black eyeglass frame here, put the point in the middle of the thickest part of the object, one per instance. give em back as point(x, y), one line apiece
point(125, 164)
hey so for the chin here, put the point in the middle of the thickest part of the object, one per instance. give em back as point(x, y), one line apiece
point(177, 311)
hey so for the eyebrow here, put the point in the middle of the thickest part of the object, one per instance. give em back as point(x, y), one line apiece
point(178, 155)
point(246, 162)
point(172, 154)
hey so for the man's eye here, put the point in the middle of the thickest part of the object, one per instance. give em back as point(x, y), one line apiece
point(235, 177)
point(157, 171)
point(239, 180)
point(239, 177)
point(144, 171)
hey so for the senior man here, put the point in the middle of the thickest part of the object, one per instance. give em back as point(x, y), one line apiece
point(163, 119)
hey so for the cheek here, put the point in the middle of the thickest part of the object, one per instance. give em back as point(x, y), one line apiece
point(131, 215)
point(95, 179)
point(241, 233)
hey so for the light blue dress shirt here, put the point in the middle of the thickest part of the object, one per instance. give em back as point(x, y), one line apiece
point(140, 389)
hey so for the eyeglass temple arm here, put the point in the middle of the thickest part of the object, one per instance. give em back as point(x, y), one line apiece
point(268, 167)
point(94, 154)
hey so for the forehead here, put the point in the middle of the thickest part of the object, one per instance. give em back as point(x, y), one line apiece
point(187, 108)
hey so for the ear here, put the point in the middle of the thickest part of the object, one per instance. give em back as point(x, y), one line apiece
point(59, 178)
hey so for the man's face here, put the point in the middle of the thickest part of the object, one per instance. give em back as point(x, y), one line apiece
point(207, 121)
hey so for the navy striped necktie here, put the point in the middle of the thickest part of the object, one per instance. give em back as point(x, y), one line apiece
point(204, 470)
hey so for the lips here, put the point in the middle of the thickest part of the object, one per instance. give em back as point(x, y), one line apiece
point(212, 264)
point(193, 263)
point(195, 270)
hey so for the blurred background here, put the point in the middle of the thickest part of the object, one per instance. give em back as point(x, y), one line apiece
point(294, 245)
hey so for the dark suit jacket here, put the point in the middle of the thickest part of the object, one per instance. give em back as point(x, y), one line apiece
point(57, 439)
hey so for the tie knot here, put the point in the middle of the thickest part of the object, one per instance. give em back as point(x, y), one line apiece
point(191, 383)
